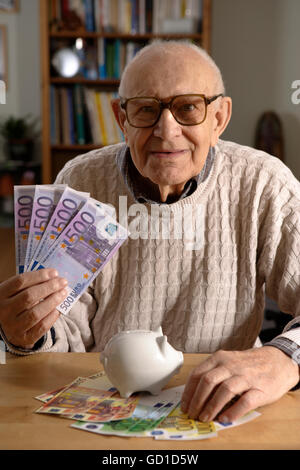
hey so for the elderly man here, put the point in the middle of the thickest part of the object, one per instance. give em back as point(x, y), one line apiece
point(172, 111)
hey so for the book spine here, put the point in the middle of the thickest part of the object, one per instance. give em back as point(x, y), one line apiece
point(65, 117)
point(104, 139)
point(101, 58)
point(89, 96)
point(117, 57)
point(128, 16)
point(122, 16)
point(58, 119)
point(134, 26)
point(149, 16)
point(79, 115)
point(105, 16)
point(98, 21)
point(130, 50)
point(108, 118)
point(122, 57)
point(114, 15)
point(70, 99)
point(53, 112)
point(142, 16)
point(109, 55)
point(89, 15)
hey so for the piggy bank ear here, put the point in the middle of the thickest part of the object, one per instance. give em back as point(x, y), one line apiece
point(158, 331)
point(162, 344)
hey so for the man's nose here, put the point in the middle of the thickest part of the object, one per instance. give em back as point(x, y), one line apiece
point(167, 127)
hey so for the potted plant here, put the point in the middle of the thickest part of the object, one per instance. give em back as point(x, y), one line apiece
point(19, 135)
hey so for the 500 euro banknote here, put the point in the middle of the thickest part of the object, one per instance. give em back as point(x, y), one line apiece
point(45, 201)
point(23, 203)
point(83, 248)
point(68, 205)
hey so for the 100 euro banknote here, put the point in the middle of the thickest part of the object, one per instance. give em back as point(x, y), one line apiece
point(148, 414)
point(23, 203)
point(45, 201)
point(83, 248)
point(68, 205)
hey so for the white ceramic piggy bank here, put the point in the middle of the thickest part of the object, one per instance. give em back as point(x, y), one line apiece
point(140, 360)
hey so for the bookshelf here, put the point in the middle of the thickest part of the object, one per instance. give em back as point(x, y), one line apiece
point(117, 36)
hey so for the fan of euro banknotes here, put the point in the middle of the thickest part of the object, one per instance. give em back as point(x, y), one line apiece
point(94, 405)
point(59, 227)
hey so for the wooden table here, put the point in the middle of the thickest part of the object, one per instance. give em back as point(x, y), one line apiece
point(23, 378)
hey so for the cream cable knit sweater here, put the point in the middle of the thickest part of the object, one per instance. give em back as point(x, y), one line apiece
point(204, 299)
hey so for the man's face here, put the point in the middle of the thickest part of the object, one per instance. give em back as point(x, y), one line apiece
point(168, 153)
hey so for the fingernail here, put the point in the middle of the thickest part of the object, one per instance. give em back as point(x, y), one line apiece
point(64, 292)
point(203, 418)
point(63, 282)
point(224, 420)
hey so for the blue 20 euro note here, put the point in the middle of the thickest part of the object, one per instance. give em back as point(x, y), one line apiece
point(83, 249)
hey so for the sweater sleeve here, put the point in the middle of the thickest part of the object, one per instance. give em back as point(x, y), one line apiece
point(278, 259)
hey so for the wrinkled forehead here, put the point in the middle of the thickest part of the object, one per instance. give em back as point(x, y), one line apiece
point(166, 73)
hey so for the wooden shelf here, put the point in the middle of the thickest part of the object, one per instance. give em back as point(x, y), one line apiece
point(84, 81)
point(122, 36)
point(55, 156)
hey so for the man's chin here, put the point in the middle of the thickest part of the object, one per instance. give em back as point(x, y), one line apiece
point(175, 185)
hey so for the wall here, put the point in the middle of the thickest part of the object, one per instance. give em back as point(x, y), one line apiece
point(256, 44)
point(23, 93)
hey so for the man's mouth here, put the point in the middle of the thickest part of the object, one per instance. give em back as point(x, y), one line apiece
point(167, 153)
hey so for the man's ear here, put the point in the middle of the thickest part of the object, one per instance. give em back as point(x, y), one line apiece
point(119, 113)
point(221, 119)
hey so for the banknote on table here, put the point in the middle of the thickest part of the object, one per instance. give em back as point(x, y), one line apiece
point(83, 248)
point(68, 205)
point(75, 399)
point(23, 203)
point(79, 400)
point(109, 409)
point(98, 381)
point(178, 426)
point(113, 407)
point(148, 414)
point(45, 201)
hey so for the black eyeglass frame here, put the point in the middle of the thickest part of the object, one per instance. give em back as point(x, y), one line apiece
point(167, 105)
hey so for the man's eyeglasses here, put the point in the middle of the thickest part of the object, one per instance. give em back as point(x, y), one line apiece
point(188, 110)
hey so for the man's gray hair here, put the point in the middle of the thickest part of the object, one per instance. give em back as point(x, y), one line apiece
point(164, 46)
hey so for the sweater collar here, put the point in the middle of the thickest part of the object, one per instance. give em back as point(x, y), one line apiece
point(144, 191)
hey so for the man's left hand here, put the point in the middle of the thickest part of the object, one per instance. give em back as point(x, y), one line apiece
point(257, 376)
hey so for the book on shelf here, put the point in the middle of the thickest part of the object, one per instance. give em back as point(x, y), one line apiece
point(76, 109)
point(132, 16)
point(106, 59)
point(79, 114)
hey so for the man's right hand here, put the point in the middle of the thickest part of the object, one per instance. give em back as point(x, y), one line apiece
point(28, 305)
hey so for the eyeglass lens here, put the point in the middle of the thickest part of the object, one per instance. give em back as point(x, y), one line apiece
point(187, 109)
